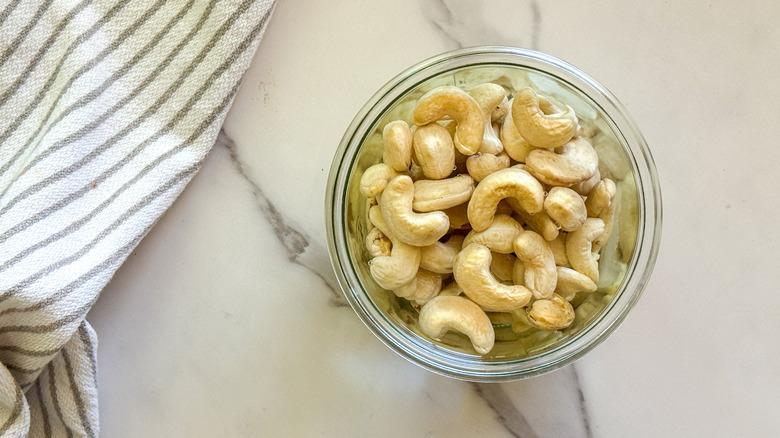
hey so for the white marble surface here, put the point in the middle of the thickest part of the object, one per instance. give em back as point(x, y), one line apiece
point(226, 320)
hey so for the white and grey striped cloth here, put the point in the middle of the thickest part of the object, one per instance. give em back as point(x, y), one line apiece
point(107, 110)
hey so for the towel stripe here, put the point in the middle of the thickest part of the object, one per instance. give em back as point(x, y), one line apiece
point(23, 34)
point(44, 411)
point(10, 7)
point(79, 399)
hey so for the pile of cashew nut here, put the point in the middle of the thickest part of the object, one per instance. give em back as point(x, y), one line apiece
point(486, 206)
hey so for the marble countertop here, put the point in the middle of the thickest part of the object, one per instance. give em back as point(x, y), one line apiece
point(245, 332)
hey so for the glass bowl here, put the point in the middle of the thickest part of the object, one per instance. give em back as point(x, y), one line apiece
point(626, 260)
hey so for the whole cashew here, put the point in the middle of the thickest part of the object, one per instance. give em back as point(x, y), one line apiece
point(439, 257)
point(584, 187)
point(570, 282)
point(600, 204)
point(505, 183)
point(540, 129)
point(375, 179)
point(574, 162)
point(434, 151)
point(579, 246)
point(444, 313)
point(400, 267)
point(418, 229)
point(514, 144)
point(558, 247)
point(481, 165)
point(500, 112)
point(498, 236)
point(539, 222)
point(566, 208)
point(472, 272)
point(397, 140)
point(432, 195)
point(424, 286)
point(502, 266)
point(554, 313)
point(377, 243)
point(540, 274)
point(456, 103)
point(489, 96)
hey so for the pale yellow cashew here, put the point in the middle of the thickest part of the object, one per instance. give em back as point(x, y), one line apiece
point(397, 141)
point(579, 246)
point(500, 112)
point(472, 272)
point(418, 229)
point(375, 179)
point(400, 267)
point(570, 282)
point(498, 236)
point(424, 286)
point(489, 96)
point(566, 208)
point(456, 103)
point(604, 194)
point(433, 151)
point(502, 266)
point(554, 313)
point(440, 256)
point(481, 165)
point(574, 162)
point(584, 187)
point(377, 243)
point(539, 222)
point(540, 274)
point(505, 183)
point(558, 247)
point(444, 313)
point(540, 129)
point(432, 195)
point(514, 144)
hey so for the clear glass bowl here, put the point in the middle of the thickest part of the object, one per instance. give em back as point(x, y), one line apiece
point(626, 260)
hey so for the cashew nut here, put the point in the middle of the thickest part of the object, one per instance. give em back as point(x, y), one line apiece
point(574, 162)
point(570, 282)
point(375, 179)
point(424, 286)
point(481, 165)
point(472, 272)
point(499, 113)
point(566, 208)
point(400, 267)
point(489, 96)
point(540, 129)
point(433, 151)
point(514, 144)
point(554, 313)
point(439, 257)
point(540, 274)
point(539, 222)
point(377, 243)
point(584, 187)
point(498, 236)
point(579, 248)
point(418, 229)
point(505, 183)
point(397, 140)
point(456, 103)
point(432, 195)
point(444, 313)
point(558, 247)
point(600, 204)
point(502, 266)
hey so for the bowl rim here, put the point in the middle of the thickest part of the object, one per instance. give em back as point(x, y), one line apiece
point(448, 362)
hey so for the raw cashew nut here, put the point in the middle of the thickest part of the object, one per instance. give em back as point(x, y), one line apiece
point(489, 96)
point(481, 165)
point(539, 222)
point(540, 129)
point(579, 248)
point(570, 282)
point(400, 267)
point(536, 255)
point(432, 195)
point(554, 313)
point(456, 103)
point(418, 229)
point(574, 162)
point(424, 286)
point(584, 187)
point(558, 247)
point(514, 144)
point(444, 313)
point(377, 243)
point(499, 112)
point(434, 151)
point(601, 204)
point(498, 236)
point(472, 272)
point(505, 183)
point(397, 141)
point(375, 179)
point(566, 208)
point(439, 257)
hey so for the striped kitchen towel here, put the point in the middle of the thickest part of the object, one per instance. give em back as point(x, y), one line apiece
point(107, 110)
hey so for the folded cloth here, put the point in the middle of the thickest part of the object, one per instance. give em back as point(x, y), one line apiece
point(107, 110)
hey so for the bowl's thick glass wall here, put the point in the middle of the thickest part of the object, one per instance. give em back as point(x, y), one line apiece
point(626, 261)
